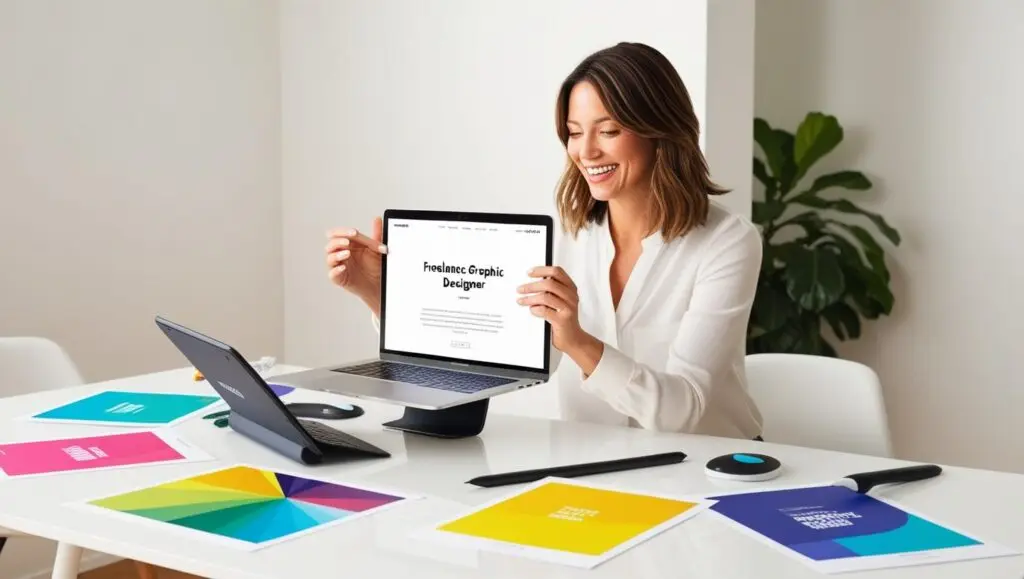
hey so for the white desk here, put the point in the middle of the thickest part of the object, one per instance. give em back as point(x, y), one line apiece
point(378, 546)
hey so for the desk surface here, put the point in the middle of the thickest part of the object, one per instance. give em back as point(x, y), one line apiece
point(984, 503)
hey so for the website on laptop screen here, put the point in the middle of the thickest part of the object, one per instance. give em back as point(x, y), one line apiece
point(451, 290)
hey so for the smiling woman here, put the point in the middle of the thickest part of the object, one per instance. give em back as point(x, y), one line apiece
point(652, 289)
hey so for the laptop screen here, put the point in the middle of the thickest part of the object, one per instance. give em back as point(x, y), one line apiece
point(450, 290)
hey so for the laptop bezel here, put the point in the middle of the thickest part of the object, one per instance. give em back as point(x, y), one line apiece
point(496, 368)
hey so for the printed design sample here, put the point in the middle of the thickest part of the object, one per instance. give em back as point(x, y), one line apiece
point(115, 407)
point(247, 505)
point(568, 522)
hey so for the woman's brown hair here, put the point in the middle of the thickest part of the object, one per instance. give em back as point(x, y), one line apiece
point(644, 93)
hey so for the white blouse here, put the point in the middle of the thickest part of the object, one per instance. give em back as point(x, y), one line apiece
point(674, 349)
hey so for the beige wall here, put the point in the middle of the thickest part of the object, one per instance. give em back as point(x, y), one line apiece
point(139, 174)
point(930, 94)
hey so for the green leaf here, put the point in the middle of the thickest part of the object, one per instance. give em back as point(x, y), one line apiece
point(869, 284)
point(887, 230)
point(764, 212)
point(773, 253)
point(862, 298)
point(849, 254)
point(802, 336)
point(872, 250)
point(827, 349)
point(816, 136)
point(846, 206)
point(812, 223)
point(772, 145)
point(854, 180)
point(771, 186)
point(843, 319)
point(787, 177)
point(813, 278)
point(772, 308)
point(762, 173)
point(777, 145)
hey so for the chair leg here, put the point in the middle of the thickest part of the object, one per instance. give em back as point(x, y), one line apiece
point(145, 570)
point(66, 563)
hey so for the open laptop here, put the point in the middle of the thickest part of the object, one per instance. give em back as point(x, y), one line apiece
point(256, 412)
point(451, 330)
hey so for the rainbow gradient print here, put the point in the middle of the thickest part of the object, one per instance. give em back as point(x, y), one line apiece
point(248, 506)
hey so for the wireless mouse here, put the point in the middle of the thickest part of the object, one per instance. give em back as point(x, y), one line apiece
point(321, 410)
point(743, 467)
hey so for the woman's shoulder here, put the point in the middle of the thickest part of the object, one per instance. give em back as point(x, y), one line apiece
point(722, 230)
point(721, 219)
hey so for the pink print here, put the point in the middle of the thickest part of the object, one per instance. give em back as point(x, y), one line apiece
point(84, 453)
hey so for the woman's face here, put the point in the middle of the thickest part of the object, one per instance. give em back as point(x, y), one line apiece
point(615, 162)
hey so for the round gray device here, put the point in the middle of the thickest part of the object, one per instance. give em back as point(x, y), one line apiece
point(743, 467)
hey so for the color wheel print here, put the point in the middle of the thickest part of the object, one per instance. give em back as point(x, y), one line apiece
point(247, 504)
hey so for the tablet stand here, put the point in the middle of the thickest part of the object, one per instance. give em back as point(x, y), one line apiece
point(455, 422)
point(272, 440)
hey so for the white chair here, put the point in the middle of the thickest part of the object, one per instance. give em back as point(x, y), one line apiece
point(820, 402)
point(31, 364)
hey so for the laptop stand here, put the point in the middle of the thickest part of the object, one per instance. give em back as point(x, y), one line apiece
point(456, 422)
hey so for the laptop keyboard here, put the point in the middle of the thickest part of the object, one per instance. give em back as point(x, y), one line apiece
point(452, 380)
point(333, 437)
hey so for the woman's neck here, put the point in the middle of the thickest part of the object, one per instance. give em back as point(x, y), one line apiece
point(629, 220)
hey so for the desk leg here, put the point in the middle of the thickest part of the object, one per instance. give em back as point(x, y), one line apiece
point(66, 563)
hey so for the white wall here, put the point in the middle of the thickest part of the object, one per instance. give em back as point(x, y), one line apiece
point(451, 106)
point(139, 174)
point(729, 96)
point(930, 95)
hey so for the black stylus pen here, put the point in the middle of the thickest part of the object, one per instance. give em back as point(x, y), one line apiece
point(865, 481)
point(575, 470)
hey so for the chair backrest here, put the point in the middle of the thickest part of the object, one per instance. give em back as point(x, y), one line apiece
point(820, 402)
point(33, 364)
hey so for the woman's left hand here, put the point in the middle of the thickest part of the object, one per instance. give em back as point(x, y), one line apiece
point(555, 299)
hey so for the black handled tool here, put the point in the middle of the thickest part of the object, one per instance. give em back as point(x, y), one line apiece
point(865, 481)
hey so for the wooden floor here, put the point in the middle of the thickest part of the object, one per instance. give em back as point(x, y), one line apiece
point(126, 570)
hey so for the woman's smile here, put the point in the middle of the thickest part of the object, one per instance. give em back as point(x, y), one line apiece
point(600, 173)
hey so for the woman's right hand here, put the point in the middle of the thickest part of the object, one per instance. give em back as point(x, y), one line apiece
point(354, 261)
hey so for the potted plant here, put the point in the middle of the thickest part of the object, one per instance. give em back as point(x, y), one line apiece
point(819, 266)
